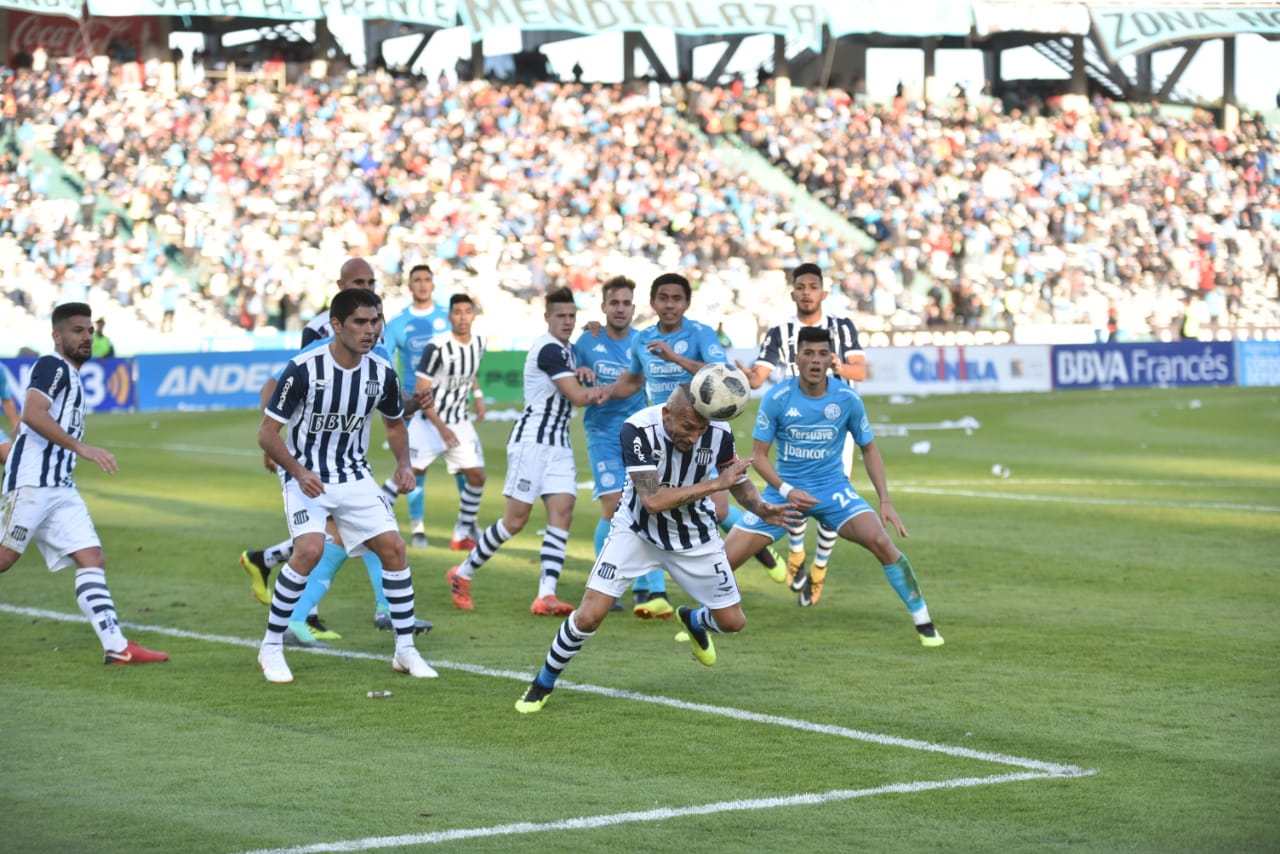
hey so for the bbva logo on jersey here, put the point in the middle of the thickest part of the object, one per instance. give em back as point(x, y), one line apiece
point(343, 423)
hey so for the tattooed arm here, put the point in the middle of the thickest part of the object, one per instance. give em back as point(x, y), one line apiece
point(746, 494)
point(657, 498)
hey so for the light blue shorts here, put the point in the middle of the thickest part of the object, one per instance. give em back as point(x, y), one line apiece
point(607, 471)
point(838, 502)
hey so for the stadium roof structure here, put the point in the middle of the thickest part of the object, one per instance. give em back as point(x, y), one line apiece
point(1087, 39)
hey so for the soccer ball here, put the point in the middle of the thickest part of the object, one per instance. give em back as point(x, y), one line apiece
point(719, 391)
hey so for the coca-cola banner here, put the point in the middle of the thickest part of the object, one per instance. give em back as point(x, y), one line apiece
point(117, 37)
point(70, 8)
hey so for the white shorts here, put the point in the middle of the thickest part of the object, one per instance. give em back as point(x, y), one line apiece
point(702, 572)
point(55, 518)
point(426, 446)
point(537, 470)
point(358, 508)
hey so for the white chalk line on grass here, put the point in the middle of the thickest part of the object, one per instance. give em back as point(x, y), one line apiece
point(940, 488)
point(661, 814)
point(1034, 769)
point(1106, 502)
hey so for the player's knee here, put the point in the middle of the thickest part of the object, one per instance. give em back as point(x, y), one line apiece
point(731, 621)
point(395, 556)
point(883, 548)
point(305, 555)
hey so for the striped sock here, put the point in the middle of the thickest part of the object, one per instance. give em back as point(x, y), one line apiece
point(277, 554)
point(491, 539)
point(703, 620)
point(568, 643)
point(826, 542)
point(284, 598)
point(468, 507)
point(795, 536)
point(398, 585)
point(554, 544)
point(95, 602)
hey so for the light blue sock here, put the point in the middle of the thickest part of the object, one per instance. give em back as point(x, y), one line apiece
point(546, 678)
point(602, 532)
point(417, 506)
point(902, 578)
point(319, 580)
point(460, 480)
point(373, 564)
point(655, 582)
point(731, 518)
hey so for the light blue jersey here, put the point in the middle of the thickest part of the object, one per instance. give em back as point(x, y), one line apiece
point(808, 437)
point(808, 432)
point(407, 335)
point(608, 358)
point(603, 422)
point(693, 340)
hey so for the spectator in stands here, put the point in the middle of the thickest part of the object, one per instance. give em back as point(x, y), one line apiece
point(279, 186)
point(102, 346)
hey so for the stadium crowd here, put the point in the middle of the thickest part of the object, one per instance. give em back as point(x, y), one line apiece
point(229, 208)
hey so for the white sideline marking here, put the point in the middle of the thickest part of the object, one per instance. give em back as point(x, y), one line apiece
point(1108, 502)
point(933, 487)
point(594, 821)
point(1034, 769)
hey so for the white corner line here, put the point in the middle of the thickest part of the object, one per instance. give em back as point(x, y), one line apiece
point(1033, 769)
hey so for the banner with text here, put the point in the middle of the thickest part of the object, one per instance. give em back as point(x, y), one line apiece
point(1126, 30)
point(1144, 365)
point(65, 37)
point(206, 380)
point(792, 18)
point(1259, 362)
point(435, 13)
point(65, 8)
point(108, 383)
point(949, 370)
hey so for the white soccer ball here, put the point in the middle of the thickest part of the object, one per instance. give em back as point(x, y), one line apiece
point(720, 392)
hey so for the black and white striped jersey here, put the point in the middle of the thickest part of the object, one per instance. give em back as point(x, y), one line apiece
point(34, 460)
point(647, 446)
point(317, 330)
point(328, 408)
point(545, 419)
point(452, 367)
point(778, 349)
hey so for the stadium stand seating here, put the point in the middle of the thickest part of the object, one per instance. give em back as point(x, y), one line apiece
point(236, 206)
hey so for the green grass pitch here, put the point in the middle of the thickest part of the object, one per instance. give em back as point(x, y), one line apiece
point(1110, 680)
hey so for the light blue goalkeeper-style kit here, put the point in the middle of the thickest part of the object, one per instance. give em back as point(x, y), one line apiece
point(808, 435)
point(693, 340)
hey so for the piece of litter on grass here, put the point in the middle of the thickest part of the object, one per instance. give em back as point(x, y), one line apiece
point(921, 447)
point(999, 470)
point(1195, 404)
